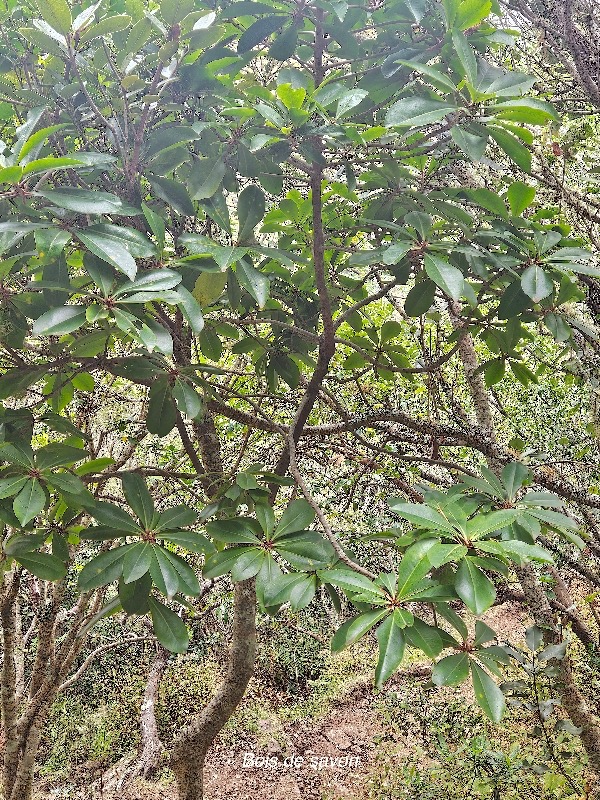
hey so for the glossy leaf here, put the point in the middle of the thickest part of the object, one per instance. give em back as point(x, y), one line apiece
point(488, 695)
point(297, 517)
point(170, 629)
point(391, 641)
point(451, 670)
point(355, 628)
point(29, 502)
point(474, 587)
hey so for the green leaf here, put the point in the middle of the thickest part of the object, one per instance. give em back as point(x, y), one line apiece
point(494, 371)
point(58, 455)
point(57, 14)
point(138, 36)
point(296, 588)
point(439, 79)
point(58, 321)
point(83, 201)
point(251, 210)
point(187, 581)
point(297, 517)
point(190, 309)
point(253, 281)
point(466, 56)
point(248, 564)
point(109, 249)
point(417, 8)
point(520, 196)
point(209, 287)
point(50, 163)
point(188, 400)
point(421, 515)
point(519, 552)
point(11, 486)
point(415, 565)
point(473, 587)
point(439, 554)
point(170, 629)
point(426, 637)
point(191, 541)
point(66, 483)
point(259, 31)
point(450, 279)
point(137, 561)
point(488, 200)
point(162, 415)
point(291, 97)
point(206, 177)
point(284, 45)
point(115, 518)
point(221, 562)
point(536, 283)
point(134, 597)
point(348, 101)
point(156, 225)
point(488, 695)
point(174, 194)
point(484, 523)
point(474, 146)
point(483, 633)
point(306, 551)
point(45, 566)
point(177, 517)
point(420, 298)
point(513, 148)
point(526, 109)
point(173, 11)
point(553, 519)
point(118, 22)
point(354, 628)
point(164, 574)
point(103, 569)
point(471, 12)
point(234, 531)
point(139, 498)
point(514, 476)
point(412, 112)
point(390, 639)
point(451, 670)
point(352, 582)
point(29, 502)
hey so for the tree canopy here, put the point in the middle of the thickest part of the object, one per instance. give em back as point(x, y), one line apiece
point(279, 281)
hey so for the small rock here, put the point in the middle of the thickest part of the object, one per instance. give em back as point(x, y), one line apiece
point(338, 738)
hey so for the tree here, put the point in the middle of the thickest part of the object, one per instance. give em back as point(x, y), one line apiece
point(254, 215)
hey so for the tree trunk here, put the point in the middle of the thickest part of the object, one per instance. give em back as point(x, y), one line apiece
point(151, 747)
point(571, 697)
point(191, 745)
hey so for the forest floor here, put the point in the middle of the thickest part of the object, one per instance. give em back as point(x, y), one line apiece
point(329, 757)
point(342, 749)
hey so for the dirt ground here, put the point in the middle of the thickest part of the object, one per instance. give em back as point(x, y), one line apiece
point(310, 759)
point(324, 758)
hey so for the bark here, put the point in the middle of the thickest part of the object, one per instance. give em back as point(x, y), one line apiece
point(9, 682)
point(192, 744)
point(571, 696)
point(151, 747)
point(578, 625)
point(26, 703)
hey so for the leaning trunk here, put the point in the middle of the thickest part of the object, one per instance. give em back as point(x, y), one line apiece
point(191, 745)
point(572, 698)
